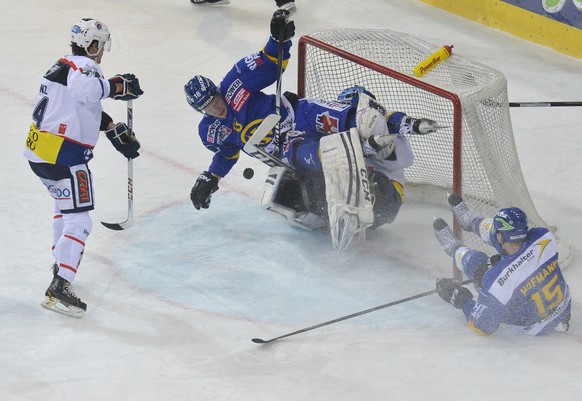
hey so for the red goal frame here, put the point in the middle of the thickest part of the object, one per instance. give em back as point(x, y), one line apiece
point(307, 40)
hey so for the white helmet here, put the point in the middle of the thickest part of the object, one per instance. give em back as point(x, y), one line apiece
point(84, 32)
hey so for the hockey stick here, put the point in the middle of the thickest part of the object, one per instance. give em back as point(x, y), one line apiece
point(252, 146)
point(129, 221)
point(544, 104)
point(278, 137)
point(339, 319)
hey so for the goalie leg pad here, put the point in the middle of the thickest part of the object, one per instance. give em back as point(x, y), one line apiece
point(347, 188)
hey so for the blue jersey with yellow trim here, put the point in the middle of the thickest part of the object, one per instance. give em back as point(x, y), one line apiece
point(526, 290)
point(247, 106)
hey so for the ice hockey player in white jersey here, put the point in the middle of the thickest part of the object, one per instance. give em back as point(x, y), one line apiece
point(522, 286)
point(66, 121)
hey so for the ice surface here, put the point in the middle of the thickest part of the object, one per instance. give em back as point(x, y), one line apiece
point(174, 301)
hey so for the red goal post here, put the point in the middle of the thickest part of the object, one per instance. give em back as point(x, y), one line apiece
point(476, 157)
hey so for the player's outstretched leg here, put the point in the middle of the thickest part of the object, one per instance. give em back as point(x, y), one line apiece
point(446, 237)
point(61, 298)
point(465, 216)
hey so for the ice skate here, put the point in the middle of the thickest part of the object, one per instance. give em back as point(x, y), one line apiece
point(446, 237)
point(61, 298)
point(464, 215)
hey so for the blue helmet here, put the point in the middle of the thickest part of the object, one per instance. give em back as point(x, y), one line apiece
point(351, 95)
point(199, 92)
point(511, 223)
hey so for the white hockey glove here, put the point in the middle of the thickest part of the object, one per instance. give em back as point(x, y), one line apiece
point(370, 117)
point(380, 146)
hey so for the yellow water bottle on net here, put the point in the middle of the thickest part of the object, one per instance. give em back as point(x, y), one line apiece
point(432, 61)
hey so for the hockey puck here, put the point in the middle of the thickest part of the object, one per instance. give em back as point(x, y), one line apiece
point(248, 173)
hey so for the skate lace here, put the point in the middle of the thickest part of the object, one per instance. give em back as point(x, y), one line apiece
point(446, 237)
point(68, 289)
point(463, 214)
point(406, 127)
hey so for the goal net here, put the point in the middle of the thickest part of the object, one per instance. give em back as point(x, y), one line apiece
point(476, 157)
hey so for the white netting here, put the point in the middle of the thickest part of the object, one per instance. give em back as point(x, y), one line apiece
point(489, 174)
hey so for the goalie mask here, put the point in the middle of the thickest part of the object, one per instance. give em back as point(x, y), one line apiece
point(511, 223)
point(351, 95)
point(199, 92)
point(84, 32)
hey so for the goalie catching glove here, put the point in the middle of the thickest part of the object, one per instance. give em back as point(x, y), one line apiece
point(202, 191)
point(451, 291)
point(129, 85)
point(123, 141)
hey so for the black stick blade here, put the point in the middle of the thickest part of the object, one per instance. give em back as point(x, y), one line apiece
point(258, 340)
point(115, 226)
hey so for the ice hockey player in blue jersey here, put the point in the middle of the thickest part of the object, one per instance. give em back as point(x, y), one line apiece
point(236, 107)
point(522, 286)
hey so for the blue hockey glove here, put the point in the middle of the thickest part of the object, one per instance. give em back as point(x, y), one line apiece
point(451, 291)
point(202, 191)
point(484, 268)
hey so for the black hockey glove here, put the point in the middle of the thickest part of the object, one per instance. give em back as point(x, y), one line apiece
point(451, 291)
point(418, 126)
point(280, 25)
point(202, 191)
point(131, 89)
point(123, 141)
point(484, 268)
